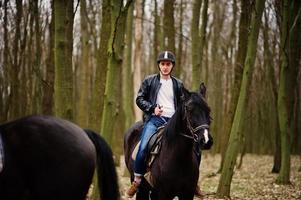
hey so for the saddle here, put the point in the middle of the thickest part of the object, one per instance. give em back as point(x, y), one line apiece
point(153, 147)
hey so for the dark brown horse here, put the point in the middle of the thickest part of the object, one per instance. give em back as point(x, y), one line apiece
point(175, 171)
point(46, 158)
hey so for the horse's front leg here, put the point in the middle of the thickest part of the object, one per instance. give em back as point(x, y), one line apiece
point(164, 196)
point(154, 195)
point(143, 192)
point(187, 196)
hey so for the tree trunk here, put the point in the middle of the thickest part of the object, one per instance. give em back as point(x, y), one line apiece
point(298, 117)
point(157, 40)
point(272, 83)
point(283, 99)
point(203, 36)
point(169, 28)
point(63, 14)
point(290, 58)
point(295, 49)
point(138, 54)
point(48, 87)
point(244, 25)
point(127, 73)
point(195, 45)
point(98, 89)
point(101, 68)
point(218, 69)
point(4, 82)
point(116, 44)
point(15, 70)
point(236, 131)
point(26, 62)
point(37, 87)
point(84, 68)
point(27, 91)
point(178, 70)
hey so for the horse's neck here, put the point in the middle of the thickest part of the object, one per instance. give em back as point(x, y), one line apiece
point(174, 143)
point(180, 148)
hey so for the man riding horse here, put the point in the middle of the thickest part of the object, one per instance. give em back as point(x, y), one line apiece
point(158, 97)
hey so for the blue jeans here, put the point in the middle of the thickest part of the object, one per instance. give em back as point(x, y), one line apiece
point(149, 129)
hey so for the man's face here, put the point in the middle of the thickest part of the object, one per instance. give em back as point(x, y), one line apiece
point(165, 67)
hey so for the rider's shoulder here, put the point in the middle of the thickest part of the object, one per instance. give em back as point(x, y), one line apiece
point(151, 77)
point(180, 82)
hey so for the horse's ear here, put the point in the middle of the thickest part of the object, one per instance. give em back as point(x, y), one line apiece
point(203, 89)
point(185, 94)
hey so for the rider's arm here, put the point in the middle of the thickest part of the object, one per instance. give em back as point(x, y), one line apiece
point(142, 99)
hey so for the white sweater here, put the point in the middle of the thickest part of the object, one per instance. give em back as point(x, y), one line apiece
point(165, 97)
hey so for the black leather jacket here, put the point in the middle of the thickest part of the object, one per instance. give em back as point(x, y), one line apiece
point(147, 94)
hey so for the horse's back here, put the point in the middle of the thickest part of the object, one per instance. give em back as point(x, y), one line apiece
point(48, 138)
point(51, 157)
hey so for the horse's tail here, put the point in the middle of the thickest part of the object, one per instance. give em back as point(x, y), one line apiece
point(106, 171)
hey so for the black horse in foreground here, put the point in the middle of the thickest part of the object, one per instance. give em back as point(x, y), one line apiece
point(175, 170)
point(47, 158)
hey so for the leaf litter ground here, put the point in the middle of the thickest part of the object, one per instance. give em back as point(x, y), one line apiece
point(253, 181)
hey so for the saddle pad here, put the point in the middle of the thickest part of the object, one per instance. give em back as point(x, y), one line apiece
point(1, 154)
point(134, 154)
point(151, 142)
point(154, 150)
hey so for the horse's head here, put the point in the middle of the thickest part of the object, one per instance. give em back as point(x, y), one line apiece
point(196, 114)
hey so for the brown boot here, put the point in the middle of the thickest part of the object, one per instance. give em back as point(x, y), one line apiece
point(198, 193)
point(132, 189)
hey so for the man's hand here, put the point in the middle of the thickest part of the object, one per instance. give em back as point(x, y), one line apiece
point(158, 110)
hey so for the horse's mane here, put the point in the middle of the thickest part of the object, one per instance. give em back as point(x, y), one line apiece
point(175, 124)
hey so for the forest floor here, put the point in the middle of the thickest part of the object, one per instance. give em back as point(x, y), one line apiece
point(253, 181)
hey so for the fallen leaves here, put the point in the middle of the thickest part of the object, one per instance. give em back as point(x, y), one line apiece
point(253, 181)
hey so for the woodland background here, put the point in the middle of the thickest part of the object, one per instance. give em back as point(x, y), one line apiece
point(84, 61)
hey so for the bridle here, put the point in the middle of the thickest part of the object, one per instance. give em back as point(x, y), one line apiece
point(193, 136)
